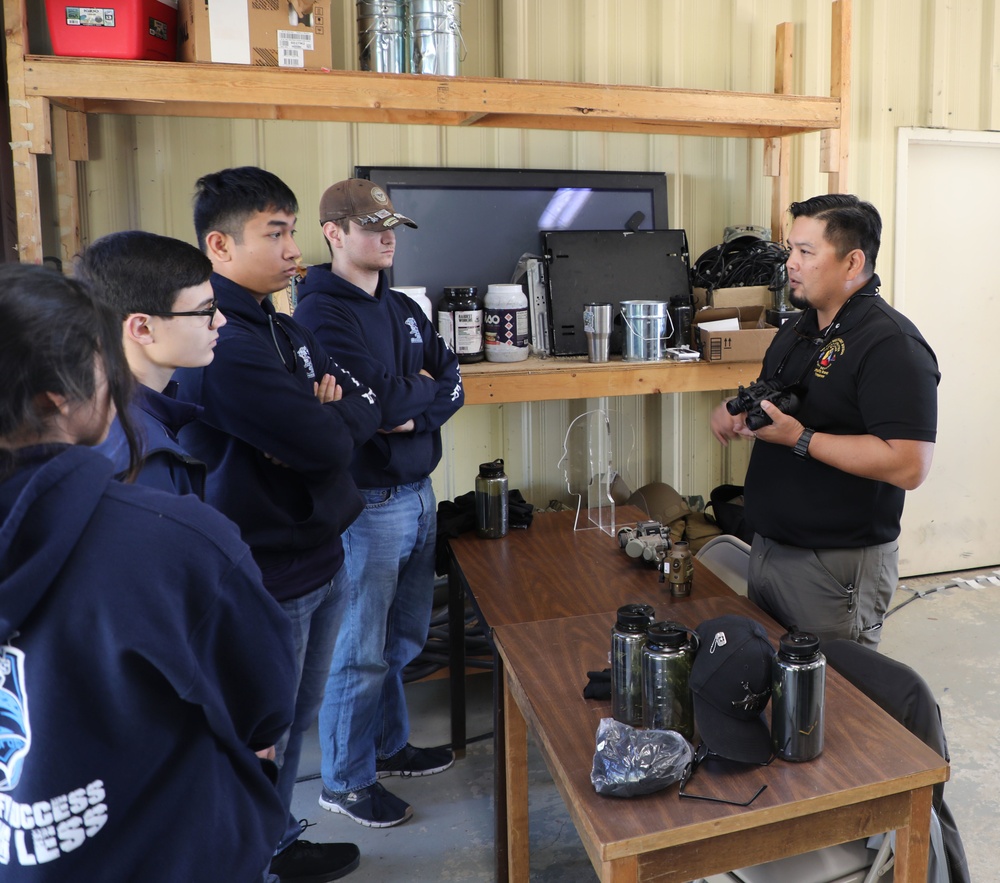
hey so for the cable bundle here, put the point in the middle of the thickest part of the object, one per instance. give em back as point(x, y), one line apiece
point(746, 260)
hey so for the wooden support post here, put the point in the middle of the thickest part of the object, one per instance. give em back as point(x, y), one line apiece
point(836, 142)
point(777, 151)
point(29, 224)
point(67, 185)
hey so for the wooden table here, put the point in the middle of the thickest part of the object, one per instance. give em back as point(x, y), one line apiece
point(544, 572)
point(548, 571)
point(872, 776)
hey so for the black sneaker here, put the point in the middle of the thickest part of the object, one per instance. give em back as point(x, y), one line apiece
point(305, 862)
point(410, 761)
point(373, 807)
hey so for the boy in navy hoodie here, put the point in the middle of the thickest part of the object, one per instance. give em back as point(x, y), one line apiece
point(386, 341)
point(160, 289)
point(280, 424)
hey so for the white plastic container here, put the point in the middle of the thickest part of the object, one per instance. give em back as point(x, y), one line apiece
point(505, 323)
point(419, 294)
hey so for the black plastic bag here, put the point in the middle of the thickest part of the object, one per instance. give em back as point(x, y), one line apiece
point(629, 762)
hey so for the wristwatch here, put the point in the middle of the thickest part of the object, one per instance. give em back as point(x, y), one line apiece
point(801, 448)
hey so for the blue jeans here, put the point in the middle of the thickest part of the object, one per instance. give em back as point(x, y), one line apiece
point(316, 621)
point(389, 552)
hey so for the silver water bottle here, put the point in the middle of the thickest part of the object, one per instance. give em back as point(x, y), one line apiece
point(798, 696)
point(667, 657)
point(491, 501)
point(628, 637)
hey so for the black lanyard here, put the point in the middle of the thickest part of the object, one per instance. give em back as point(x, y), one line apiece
point(819, 341)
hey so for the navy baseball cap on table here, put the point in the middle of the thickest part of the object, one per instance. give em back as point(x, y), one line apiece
point(731, 685)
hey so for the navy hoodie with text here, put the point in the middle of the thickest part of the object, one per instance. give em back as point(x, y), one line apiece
point(278, 460)
point(142, 664)
point(385, 341)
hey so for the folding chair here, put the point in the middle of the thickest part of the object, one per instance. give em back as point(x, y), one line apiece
point(728, 557)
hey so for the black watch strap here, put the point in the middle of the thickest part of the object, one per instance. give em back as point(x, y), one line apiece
point(801, 448)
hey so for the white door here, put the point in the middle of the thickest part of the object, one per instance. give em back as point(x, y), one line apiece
point(947, 281)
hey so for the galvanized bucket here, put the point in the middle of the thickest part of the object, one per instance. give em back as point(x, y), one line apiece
point(648, 330)
point(382, 36)
point(434, 34)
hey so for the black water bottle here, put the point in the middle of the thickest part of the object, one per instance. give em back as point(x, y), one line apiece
point(798, 697)
point(628, 637)
point(492, 505)
point(682, 315)
point(667, 703)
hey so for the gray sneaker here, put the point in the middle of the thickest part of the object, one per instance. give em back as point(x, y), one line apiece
point(373, 807)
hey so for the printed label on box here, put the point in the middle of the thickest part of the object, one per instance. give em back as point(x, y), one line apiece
point(158, 29)
point(292, 47)
point(90, 16)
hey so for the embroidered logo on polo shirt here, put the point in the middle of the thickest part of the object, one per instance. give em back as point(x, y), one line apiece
point(831, 352)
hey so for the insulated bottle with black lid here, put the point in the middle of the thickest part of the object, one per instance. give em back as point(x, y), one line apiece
point(798, 687)
point(628, 637)
point(667, 657)
point(491, 501)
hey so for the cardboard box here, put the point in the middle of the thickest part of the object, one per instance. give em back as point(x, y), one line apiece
point(746, 345)
point(293, 35)
point(742, 296)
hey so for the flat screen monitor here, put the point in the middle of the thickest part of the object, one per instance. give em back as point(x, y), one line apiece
point(475, 224)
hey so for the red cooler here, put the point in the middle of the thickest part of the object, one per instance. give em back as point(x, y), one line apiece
point(114, 29)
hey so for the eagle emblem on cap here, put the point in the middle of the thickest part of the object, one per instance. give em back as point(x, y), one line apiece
point(752, 702)
point(378, 194)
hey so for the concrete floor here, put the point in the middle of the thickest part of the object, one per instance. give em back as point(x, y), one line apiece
point(948, 636)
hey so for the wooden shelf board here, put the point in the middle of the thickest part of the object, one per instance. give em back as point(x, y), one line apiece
point(174, 89)
point(573, 377)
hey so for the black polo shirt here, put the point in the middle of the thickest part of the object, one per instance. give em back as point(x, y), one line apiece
point(870, 373)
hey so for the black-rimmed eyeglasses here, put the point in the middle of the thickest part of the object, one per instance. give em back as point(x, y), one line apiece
point(702, 754)
point(209, 311)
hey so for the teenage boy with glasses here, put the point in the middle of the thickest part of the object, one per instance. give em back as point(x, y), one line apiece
point(278, 431)
point(159, 288)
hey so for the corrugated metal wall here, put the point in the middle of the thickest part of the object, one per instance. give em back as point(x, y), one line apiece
point(915, 63)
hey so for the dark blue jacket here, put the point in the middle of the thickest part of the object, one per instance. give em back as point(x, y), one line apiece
point(385, 341)
point(141, 665)
point(278, 460)
point(159, 417)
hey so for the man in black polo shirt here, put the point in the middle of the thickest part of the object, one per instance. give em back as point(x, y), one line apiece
point(825, 485)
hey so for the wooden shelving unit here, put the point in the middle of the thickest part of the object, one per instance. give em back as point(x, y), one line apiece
point(50, 96)
point(573, 377)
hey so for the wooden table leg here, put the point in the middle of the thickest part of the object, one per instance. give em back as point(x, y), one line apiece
point(456, 662)
point(623, 870)
point(516, 787)
point(501, 868)
point(913, 842)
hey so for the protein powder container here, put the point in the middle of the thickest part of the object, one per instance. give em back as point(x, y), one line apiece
point(505, 323)
point(417, 293)
point(460, 322)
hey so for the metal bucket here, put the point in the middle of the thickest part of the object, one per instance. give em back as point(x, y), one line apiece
point(382, 36)
point(648, 330)
point(434, 34)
